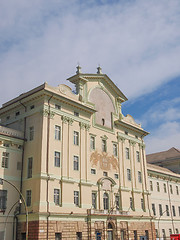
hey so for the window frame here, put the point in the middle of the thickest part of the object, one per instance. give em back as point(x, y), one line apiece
point(76, 163)
point(31, 133)
point(57, 159)
point(115, 149)
point(76, 198)
point(28, 197)
point(127, 153)
point(57, 132)
point(76, 138)
point(56, 196)
point(5, 160)
point(30, 167)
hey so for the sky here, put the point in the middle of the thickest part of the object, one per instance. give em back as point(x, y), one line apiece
point(137, 44)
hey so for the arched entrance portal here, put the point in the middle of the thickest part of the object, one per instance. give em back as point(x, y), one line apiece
point(110, 232)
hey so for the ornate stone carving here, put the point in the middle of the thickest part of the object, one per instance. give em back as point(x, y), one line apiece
point(105, 162)
point(67, 120)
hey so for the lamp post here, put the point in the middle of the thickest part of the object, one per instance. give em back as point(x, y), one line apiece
point(158, 223)
point(4, 180)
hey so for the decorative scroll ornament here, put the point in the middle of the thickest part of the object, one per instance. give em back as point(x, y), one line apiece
point(105, 162)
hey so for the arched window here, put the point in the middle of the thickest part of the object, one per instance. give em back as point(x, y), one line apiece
point(106, 201)
point(110, 226)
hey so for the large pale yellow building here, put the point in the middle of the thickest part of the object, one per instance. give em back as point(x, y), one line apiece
point(84, 173)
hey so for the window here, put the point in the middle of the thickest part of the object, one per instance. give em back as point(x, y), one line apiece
point(158, 188)
point(126, 132)
point(127, 153)
point(131, 203)
point(28, 198)
point(104, 145)
point(142, 204)
point(115, 152)
point(157, 233)
point(94, 197)
point(17, 113)
point(137, 156)
point(116, 176)
point(167, 210)
point(30, 166)
point(103, 121)
point(76, 138)
point(165, 190)
point(57, 107)
point(106, 201)
point(57, 159)
point(135, 235)
point(151, 185)
point(32, 107)
point(176, 231)
point(76, 198)
point(58, 236)
point(173, 210)
point(8, 117)
point(129, 174)
point(3, 200)
point(171, 189)
point(98, 235)
point(147, 234)
point(93, 171)
point(160, 209)
point(76, 114)
point(76, 163)
point(79, 236)
point(31, 133)
point(179, 210)
point(5, 159)
point(92, 142)
point(139, 177)
point(163, 233)
point(57, 132)
point(153, 209)
point(170, 231)
point(6, 144)
point(117, 202)
point(105, 174)
point(56, 196)
point(177, 190)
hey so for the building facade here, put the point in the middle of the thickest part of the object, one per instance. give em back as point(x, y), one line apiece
point(164, 186)
point(84, 173)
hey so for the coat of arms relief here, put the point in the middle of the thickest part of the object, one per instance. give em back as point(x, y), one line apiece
point(104, 161)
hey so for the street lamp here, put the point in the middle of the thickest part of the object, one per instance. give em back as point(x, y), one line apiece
point(159, 221)
point(4, 180)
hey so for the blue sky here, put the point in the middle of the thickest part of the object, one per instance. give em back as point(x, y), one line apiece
point(136, 42)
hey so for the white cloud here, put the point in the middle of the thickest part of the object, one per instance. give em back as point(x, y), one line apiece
point(136, 42)
point(165, 137)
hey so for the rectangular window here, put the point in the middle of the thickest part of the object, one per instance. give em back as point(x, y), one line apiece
point(28, 198)
point(129, 174)
point(153, 209)
point(56, 196)
point(57, 159)
point(165, 190)
point(139, 177)
point(92, 142)
point(32, 107)
point(117, 202)
point(171, 189)
point(76, 114)
point(76, 163)
point(167, 210)
point(131, 203)
point(17, 113)
point(170, 231)
point(127, 153)
point(116, 176)
point(105, 174)
point(173, 210)
point(176, 231)
point(137, 156)
point(160, 209)
point(5, 160)
point(30, 166)
point(58, 236)
point(158, 188)
point(76, 138)
point(135, 235)
point(142, 204)
point(151, 185)
point(79, 235)
point(31, 133)
point(94, 200)
point(93, 171)
point(3, 200)
point(163, 233)
point(76, 198)
point(104, 145)
point(147, 234)
point(57, 132)
point(115, 151)
point(57, 107)
point(177, 190)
